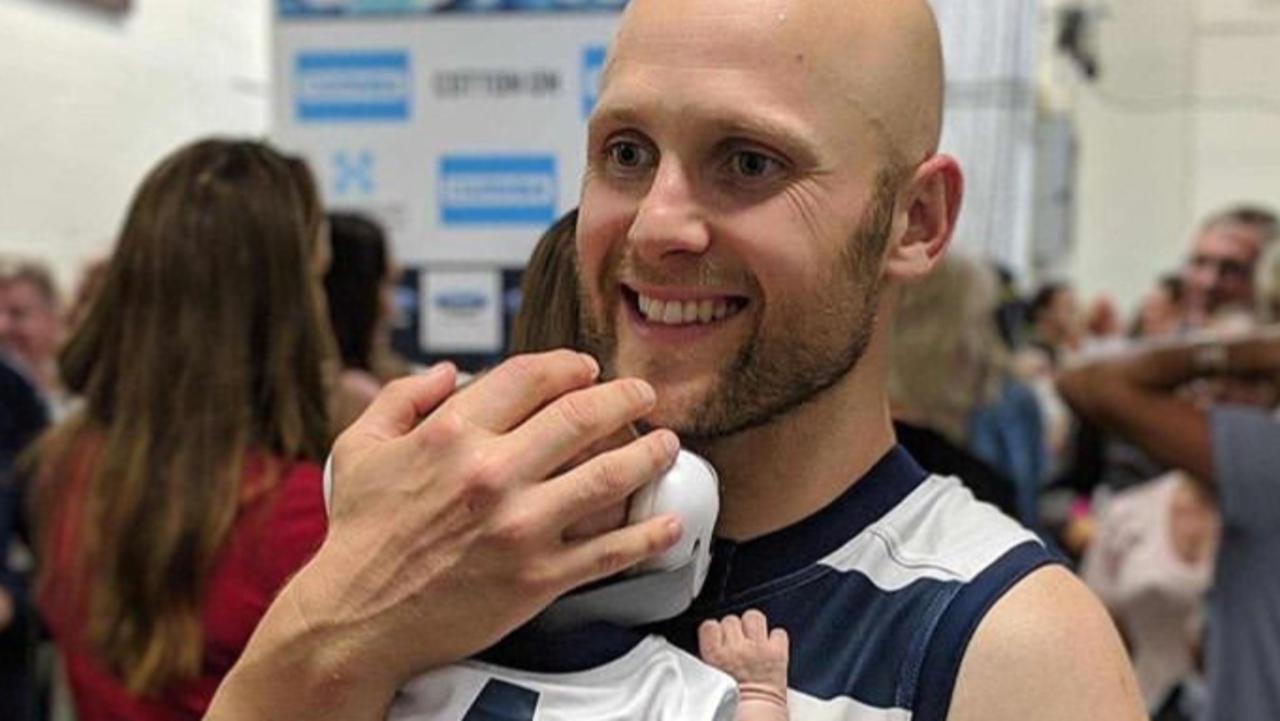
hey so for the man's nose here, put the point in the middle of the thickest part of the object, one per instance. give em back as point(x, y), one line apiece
point(670, 219)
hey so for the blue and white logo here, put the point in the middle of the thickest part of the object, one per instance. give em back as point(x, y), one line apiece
point(498, 189)
point(593, 57)
point(462, 301)
point(353, 173)
point(352, 86)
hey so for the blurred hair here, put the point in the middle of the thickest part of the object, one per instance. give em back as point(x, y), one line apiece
point(304, 182)
point(33, 273)
point(1254, 216)
point(1043, 299)
point(207, 340)
point(357, 271)
point(549, 308)
point(90, 283)
point(946, 358)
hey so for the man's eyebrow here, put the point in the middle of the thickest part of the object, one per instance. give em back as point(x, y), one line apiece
point(615, 115)
point(792, 138)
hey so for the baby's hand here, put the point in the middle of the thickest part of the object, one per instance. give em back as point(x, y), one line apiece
point(749, 652)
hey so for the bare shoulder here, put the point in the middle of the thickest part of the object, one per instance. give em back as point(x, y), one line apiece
point(1047, 650)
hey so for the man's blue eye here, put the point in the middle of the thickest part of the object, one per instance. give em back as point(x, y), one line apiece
point(751, 164)
point(627, 155)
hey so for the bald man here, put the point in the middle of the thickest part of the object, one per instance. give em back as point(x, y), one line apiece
point(762, 177)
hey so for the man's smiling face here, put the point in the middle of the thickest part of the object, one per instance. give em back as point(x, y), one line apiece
point(738, 199)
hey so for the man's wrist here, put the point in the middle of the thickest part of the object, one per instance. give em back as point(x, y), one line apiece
point(298, 666)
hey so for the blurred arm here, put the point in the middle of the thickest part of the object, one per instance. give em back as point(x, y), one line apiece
point(1136, 397)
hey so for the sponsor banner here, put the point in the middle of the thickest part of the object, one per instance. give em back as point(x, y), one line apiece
point(462, 311)
point(464, 136)
point(488, 84)
point(339, 8)
point(367, 175)
point(351, 85)
point(407, 336)
point(353, 173)
point(498, 190)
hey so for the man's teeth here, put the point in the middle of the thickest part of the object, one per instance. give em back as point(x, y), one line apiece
point(677, 312)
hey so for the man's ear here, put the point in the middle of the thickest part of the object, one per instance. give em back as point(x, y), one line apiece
point(932, 201)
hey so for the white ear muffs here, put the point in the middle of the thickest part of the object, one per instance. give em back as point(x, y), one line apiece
point(661, 587)
point(665, 585)
point(691, 491)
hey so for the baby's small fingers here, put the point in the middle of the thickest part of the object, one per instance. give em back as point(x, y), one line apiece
point(779, 642)
point(754, 626)
point(710, 638)
point(731, 626)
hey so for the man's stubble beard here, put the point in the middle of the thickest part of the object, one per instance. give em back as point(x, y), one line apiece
point(772, 375)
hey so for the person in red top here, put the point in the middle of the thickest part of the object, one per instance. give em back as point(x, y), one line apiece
point(185, 491)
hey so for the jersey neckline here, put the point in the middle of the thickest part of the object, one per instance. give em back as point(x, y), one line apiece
point(735, 567)
point(739, 566)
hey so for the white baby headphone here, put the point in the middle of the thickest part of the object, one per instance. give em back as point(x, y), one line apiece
point(665, 585)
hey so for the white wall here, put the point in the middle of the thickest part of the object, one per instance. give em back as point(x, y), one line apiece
point(1185, 119)
point(92, 99)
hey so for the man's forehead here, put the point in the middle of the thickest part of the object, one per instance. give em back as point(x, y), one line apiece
point(880, 58)
point(701, 35)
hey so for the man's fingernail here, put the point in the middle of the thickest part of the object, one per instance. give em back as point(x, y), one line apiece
point(646, 392)
point(670, 441)
point(592, 363)
point(673, 529)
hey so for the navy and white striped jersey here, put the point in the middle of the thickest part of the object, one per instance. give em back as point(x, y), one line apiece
point(602, 673)
point(879, 592)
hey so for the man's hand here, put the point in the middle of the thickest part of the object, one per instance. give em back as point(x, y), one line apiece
point(448, 532)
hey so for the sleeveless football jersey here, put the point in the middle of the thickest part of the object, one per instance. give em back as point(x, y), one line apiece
point(879, 592)
point(650, 680)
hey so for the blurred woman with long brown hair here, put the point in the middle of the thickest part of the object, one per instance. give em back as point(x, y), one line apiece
point(185, 491)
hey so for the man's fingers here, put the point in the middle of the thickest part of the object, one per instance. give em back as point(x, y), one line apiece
point(593, 524)
point(573, 423)
point(402, 403)
point(585, 561)
point(604, 480)
point(617, 439)
point(505, 396)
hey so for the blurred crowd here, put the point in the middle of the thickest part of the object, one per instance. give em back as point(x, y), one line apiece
point(185, 395)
